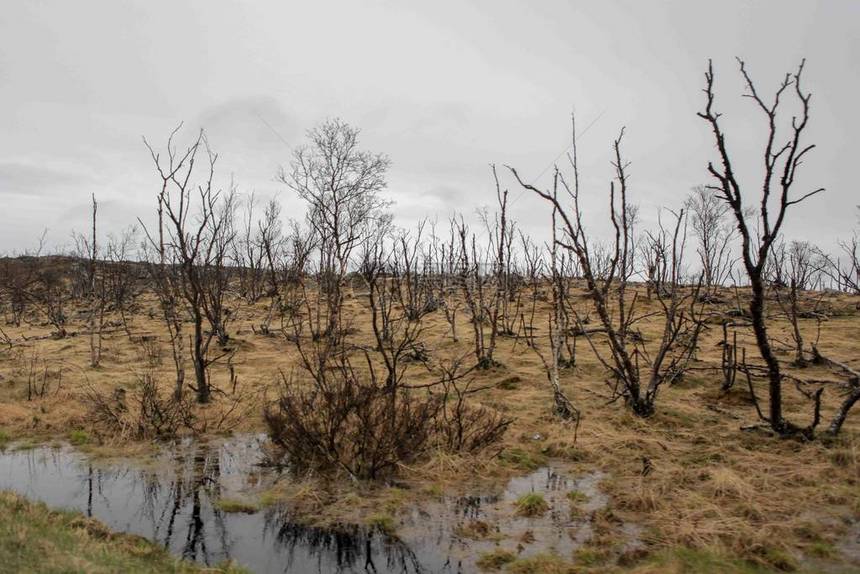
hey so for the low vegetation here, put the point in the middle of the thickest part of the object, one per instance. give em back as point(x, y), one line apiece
point(36, 539)
point(235, 505)
point(495, 559)
point(382, 522)
point(532, 504)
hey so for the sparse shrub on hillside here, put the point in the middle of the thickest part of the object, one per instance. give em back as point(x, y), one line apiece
point(461, 425)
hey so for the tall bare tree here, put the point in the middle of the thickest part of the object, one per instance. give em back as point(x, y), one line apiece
point(781, 157)
point(341, 185)
point(192, 244)
point(607, 273)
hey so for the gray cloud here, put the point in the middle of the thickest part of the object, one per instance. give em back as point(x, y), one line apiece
point(444, 88)
point(40, 179)
point(251, 124)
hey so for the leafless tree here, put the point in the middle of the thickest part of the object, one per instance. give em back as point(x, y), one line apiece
point(219, 306)
point(341, 185)
point(348, 421)
point(19, 278)
point(96, 289)
point(110, 284)
point(850, 277)
point(559, 331)
point(708, 215)
point(607, 274)
point(533, 268)
point(780, 164)
point(793, 270)
point(121, 275)
point(655, 254)
point(192, 244)
point(249, 255)
point(852, 396)
point(50, 294)
point(449, 264)
point(273, 249)
point(460, 425)
point(848, 274)
point(479, 294)
point(729, 361)
point(396, 324)
point(411, 267)
point(501, 231)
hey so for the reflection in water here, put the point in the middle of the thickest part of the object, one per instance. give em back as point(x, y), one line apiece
point(173, 501)
point(347, 548)
point(470, 506)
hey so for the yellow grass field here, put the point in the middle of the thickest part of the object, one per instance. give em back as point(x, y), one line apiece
point(708, 486)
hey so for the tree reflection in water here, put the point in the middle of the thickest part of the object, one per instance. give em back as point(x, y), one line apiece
point(344, 548)
point(175, 503)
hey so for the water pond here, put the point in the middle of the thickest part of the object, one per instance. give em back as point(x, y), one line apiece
point(173, 501)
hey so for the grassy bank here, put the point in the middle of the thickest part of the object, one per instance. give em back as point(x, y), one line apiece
point(34, 538)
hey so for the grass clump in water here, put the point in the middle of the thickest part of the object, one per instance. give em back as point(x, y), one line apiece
point(28, 444)
point(382, 522)
point(474, 529)
point(523, 459)
point(589, 556)
point(495, 559)
point(435, 489)
point(236, 505)
point(576, 496)
point(531, 504)
point(822, 550)
point(79, 437)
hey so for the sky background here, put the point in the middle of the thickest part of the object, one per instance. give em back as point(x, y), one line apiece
point(444, 88)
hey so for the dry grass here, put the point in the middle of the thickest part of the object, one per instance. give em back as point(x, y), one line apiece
point(495, 559)
point(688, 475)
point(532, 504)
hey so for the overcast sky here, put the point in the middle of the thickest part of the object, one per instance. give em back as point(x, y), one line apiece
point(444, 88)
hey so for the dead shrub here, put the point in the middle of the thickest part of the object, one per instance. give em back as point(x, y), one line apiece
point(150, 351)
point(227, 412)
point(349, 424)
point(146, 412)
point(462, 427)
point(346, 421)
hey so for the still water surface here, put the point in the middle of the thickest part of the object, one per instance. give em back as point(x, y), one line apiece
point(172, 499)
